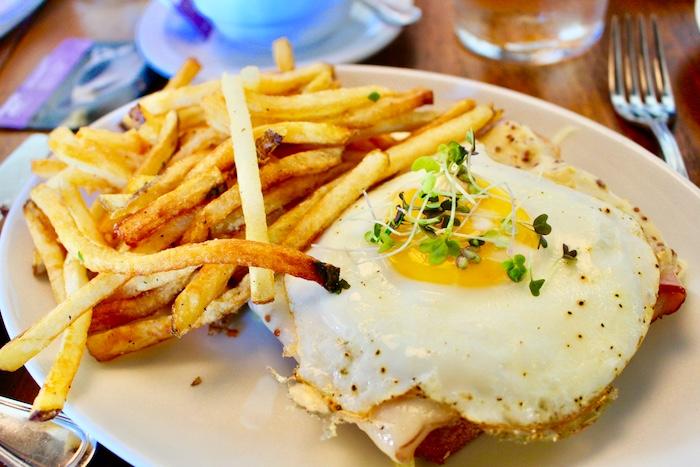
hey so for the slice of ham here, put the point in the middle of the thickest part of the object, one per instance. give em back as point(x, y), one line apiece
point(671, 294)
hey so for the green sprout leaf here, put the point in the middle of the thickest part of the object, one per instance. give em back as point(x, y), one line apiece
point(569, 255)
point(455, 152)
point(540, 225)
point(497, 238)
point(515, 268)
point(428, 183)
point(80, 257)
point(374, 96)
point(439, 249)
point(427, 163)
point(535, 286)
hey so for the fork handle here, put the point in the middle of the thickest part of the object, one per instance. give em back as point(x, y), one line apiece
point(669, 147)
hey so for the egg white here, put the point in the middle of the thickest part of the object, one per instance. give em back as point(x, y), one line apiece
point(497, 354)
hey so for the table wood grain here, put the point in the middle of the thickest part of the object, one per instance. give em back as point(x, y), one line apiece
point(578, 84)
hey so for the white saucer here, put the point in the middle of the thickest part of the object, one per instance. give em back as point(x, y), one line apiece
point(165, 40)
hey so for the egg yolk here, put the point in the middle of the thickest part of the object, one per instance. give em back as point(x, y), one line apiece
point(414, 264)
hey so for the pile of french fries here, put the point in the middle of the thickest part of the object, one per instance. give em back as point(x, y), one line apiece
point(209, 191)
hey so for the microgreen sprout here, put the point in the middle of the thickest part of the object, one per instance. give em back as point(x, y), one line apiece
point(515, 267)
point(374, 96)
point(568, 255)
point(80, 257)
point(535, 286)
point(541, 228)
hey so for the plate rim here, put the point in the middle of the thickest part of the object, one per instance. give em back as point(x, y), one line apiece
point(131, 455)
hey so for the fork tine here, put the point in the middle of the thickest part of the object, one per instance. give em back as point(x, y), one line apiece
point(615, 67)
point(661, 70)
point(645, 75)
point(631, 70)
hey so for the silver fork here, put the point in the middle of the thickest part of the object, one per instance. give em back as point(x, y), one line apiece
point(640, 88)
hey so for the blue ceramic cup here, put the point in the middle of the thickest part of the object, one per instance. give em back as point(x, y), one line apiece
point(259, 22)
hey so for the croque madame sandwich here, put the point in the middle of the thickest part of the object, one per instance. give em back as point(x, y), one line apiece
point(495, 289)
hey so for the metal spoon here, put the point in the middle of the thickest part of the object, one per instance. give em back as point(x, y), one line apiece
point(393, 15)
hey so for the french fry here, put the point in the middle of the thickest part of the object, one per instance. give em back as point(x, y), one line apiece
point(288, 81)
point(19, 350)
point(112, 313)
point(281, 228)
point(307, 132)
point(163, 150)
point(339, 198)
point(207, 284)
point(115, 201)
point(198, 140)
point(112, 343)
point(46, 243)
point(191, 117)
point(144, 333)
point(47, 168)
point(67, 148)
point(38, 268)
point(87, 181)
point(322, 81)
point(164, 183)
point(140, 284)
point(77, 208)
point(385, 108)
point(249, 253)
point(54, 392)
point(172, 99)
point(185, 74)
point(127, 147)
point(312, 106)
point(141, 224)
point(457, 109)
point(405, 122)
point(246, 161)
point(165, 235)
point(403, 154)
point(308, 162)
point(283, 54)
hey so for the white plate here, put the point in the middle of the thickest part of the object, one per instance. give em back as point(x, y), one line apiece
point(143, 408)
point(166, 40)
point(13, 12)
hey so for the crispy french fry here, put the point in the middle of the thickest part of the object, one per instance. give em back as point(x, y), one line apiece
point(186, 196)
point(38, 268)
point(457, 109)
point(283, 54)
point(190, 118)
point(144, 333)
point(249, 253)
point(87, 181)
point(68, 149)
point(246, 161)
point(76, 206)
point(404, 122)
point(307, 132)
point(207, 284)
point(140, 284)
point(46, 168)
point(46, 243)
point(19, 350)
point(54, 392)
point(172, 99)
point(197, 140)
point(185, 74)
point(130, 337)
point(165, 235)
point(403, 154)
point(288, 81)
point(112, 313)
point(339, 198)
point(312, 106)
point(322, 81)
point(163, 150)
point(115, 201)
point(308, 162)
point(386, 107)
point(281, 228)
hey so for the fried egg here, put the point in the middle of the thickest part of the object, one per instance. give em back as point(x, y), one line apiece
point(473, 339)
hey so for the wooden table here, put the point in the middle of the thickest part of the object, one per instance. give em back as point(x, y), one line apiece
point(578, 84)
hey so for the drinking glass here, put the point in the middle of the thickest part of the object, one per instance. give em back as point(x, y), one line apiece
point(533, 31)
